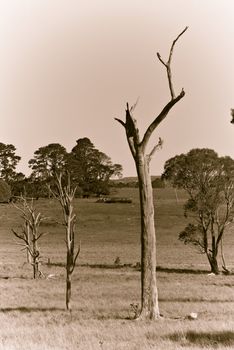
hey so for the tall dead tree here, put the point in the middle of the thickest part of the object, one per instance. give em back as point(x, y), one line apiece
point(65, 195)
point(30, 234)
point(149, 293)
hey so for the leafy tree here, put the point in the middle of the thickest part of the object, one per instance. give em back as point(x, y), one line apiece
point(5, 191)
point(48, 161)
point(18, 184)
point(32, 188)
point(8, 162)
point(91, 169)
point(209, 182)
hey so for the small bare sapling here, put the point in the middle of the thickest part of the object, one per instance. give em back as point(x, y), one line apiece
point(29, 236)
point(65, 195)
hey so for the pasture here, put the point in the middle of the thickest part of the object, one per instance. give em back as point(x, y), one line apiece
point(106, 295)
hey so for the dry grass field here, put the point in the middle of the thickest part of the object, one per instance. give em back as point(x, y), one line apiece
point(32, 312)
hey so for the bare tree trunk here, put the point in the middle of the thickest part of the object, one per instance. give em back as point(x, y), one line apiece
point(213, 263)
point(35, 258)
point(68, 280)
point(65, 195)
point(70, 263)
point(35, 268)
point(27, 233)
point(30, 234)
point(68, 292)
point(225, 269)
point(149, 292)
point(211, 249)
point(212, 256)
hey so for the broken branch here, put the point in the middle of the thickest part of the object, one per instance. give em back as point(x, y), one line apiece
point(156, 147)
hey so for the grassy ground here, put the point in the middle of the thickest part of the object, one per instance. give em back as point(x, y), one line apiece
point(32, 312)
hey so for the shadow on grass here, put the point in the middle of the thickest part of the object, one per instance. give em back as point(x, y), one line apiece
point(191, 271)
point(137, 267)
point(20, 277)
point(97, 266)
point(182, 270)
point(195, 300)
point(204, 339)
point(25, 309)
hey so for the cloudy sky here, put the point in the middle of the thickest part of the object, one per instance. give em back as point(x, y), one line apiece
point(67, 69)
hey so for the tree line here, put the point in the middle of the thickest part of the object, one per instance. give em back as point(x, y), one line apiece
point(90, 169)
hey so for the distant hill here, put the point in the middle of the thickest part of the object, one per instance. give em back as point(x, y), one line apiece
point(131, 179)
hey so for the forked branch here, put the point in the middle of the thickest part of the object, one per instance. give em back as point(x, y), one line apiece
point(130, 125)
point(162, 115)
point(168, 63)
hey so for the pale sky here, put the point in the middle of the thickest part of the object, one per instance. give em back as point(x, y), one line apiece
point(67, 69)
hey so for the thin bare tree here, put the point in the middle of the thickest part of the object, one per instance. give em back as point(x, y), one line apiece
point(30, 234)
point(65, 195)
point(149, 293)
point(232, 114)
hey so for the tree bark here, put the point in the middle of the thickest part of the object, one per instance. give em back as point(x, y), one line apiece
point(149, 292)
point(68, 280)
point(35, 268)
point(35, 258)
point(212, 256)
point(213, 263)
point(28, 238)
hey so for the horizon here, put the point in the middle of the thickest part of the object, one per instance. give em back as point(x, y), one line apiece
point(67, 70)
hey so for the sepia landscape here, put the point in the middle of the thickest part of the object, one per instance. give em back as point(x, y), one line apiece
point(116, 175)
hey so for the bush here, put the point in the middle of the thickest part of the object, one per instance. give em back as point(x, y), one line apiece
point(158, 183)
point(5, 192)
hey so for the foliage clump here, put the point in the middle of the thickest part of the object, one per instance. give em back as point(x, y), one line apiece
point(90, 168)
point(209, 181)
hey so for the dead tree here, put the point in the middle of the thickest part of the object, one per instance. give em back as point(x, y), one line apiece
point(149, 293)
point(65, 196)
point(30, 234)
point(232, 114)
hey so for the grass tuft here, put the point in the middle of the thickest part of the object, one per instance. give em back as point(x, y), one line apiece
point(204, 339)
